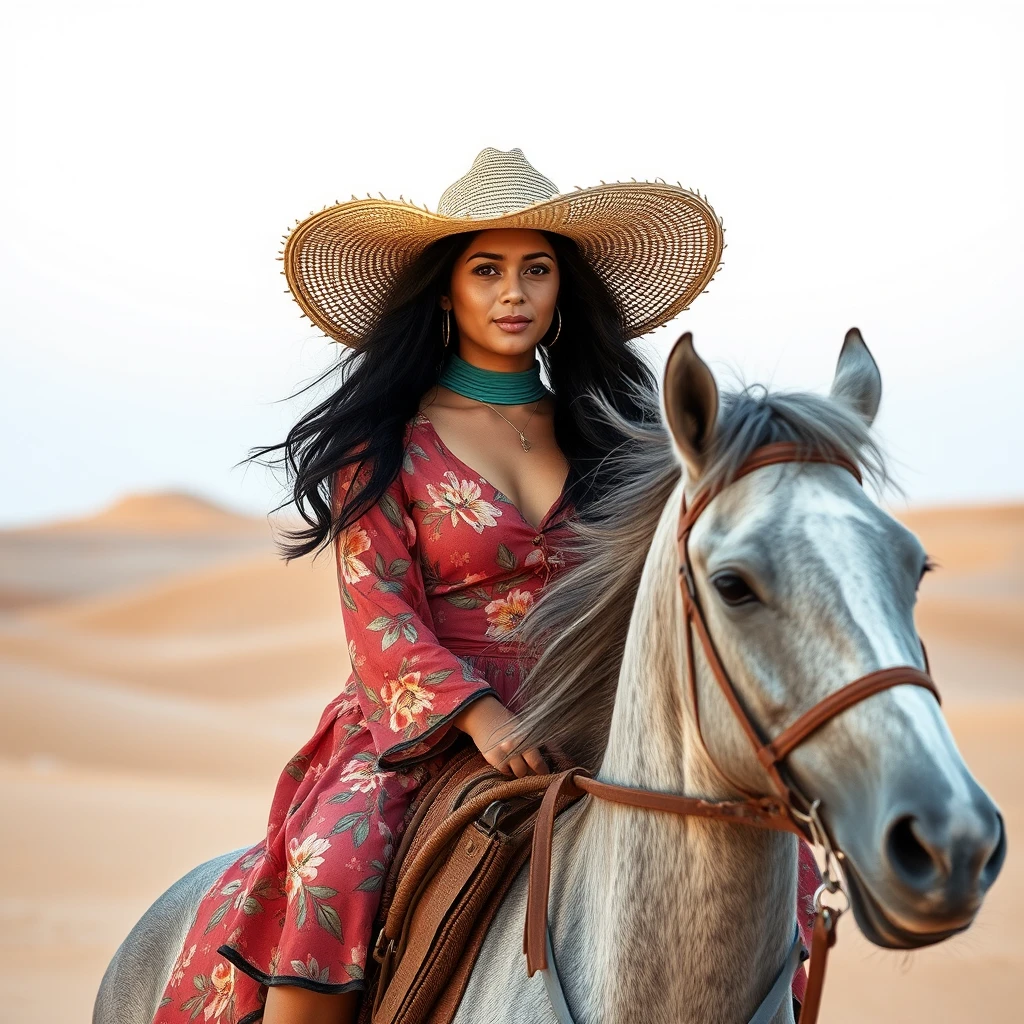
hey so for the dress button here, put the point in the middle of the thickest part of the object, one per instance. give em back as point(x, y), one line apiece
point(537, 539)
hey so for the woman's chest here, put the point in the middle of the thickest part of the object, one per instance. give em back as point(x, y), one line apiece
point(469, 534)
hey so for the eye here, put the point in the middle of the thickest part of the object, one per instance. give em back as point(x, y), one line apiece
point(539, 266)
point(733, 589)
point(929, 566)
point(485, 266)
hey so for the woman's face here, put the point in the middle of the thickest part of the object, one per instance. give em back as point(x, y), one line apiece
point(502, 294)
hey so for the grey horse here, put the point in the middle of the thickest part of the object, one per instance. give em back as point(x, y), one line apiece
point(806, 584)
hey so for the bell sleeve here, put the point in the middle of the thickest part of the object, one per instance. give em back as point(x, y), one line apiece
point(409, 685)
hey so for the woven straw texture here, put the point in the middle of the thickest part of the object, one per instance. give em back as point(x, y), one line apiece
point(655, 245)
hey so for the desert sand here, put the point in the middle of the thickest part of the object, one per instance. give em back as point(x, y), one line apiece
point(159, 664)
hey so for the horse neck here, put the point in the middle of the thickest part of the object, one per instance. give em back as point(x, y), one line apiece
point(700, 912)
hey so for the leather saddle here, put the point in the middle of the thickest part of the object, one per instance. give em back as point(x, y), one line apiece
point(469, 835)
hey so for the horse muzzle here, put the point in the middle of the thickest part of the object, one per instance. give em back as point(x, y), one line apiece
point(923, 875)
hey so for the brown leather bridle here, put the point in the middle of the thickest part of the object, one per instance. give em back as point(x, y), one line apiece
point(789, 810)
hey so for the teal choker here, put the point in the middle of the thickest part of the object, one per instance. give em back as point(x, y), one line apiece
point(502, 387)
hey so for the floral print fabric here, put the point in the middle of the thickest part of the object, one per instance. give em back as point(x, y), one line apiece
point(431, 582)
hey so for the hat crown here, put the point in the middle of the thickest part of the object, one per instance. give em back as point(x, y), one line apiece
point(499, 182)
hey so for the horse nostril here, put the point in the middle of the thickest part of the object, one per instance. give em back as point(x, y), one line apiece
point(912, 859)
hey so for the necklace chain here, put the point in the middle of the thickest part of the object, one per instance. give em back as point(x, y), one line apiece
point(522, 437)
point(504, 387)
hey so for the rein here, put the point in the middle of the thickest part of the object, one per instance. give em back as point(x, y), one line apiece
point(788, 811)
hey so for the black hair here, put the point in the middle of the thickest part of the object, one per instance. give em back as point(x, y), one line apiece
point(398, 360)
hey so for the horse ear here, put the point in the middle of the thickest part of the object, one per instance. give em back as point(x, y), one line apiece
point(857, 381)
point(689, 398)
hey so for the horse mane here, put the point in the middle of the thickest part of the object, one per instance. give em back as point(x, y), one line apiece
point(579, 624)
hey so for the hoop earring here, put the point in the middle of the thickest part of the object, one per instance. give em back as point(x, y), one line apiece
point(446, 327)
point(551, 343)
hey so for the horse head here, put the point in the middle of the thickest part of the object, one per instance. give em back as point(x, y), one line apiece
point(806, 584)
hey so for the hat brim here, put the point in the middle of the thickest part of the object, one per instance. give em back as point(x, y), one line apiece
point(656, 247)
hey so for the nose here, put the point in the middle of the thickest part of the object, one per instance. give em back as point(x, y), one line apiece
point(945, 856)
point(513, 291)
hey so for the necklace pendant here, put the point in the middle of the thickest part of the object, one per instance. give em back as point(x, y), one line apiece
point(526, 444)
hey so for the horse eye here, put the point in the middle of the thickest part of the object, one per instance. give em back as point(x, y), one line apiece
point(733, 589)
point(929, 566)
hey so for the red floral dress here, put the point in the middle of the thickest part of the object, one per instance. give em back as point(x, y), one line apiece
point(432, 580)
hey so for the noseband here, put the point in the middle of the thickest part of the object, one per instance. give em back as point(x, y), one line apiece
point(789, 810)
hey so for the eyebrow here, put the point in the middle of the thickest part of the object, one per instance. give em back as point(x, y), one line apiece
point(498, 256)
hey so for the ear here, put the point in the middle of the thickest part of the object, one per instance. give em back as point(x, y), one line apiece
point(445, 302)
point(689, 398)
point(857, 381)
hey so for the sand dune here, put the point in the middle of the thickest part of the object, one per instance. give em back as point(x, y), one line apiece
point(249, 594)
point(158, 512)
point(238, 666)
point(970, 612)
point(159, 664)
point(979, 550)
point(103, 846)
point(40, 568)
point(67, 720)
point(139, 539)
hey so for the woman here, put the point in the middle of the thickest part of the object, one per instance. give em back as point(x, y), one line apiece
point(444, 473)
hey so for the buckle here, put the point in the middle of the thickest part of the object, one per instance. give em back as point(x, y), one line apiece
point(489, 821)
point(832, 872)
point(380, 953)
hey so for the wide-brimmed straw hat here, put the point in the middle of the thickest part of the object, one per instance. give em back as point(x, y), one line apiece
point(656, 246)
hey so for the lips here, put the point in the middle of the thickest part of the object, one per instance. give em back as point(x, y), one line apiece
point(513, 324)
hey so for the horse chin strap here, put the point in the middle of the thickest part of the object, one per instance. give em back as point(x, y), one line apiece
point(788, 811)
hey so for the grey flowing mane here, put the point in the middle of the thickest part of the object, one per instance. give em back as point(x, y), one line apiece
point(579, 625)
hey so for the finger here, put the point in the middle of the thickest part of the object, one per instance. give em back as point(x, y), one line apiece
point(535, 761)
point(519, 767)
point(506, 750)
point(495, 760)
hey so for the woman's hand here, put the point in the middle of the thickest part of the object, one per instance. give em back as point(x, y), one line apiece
point(481, 721)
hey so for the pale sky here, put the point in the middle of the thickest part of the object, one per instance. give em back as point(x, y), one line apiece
point(866, 159)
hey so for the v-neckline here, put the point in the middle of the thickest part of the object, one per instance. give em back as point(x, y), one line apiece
point(497, 490)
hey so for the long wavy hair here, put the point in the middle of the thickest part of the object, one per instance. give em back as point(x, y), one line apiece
point(382, 381)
